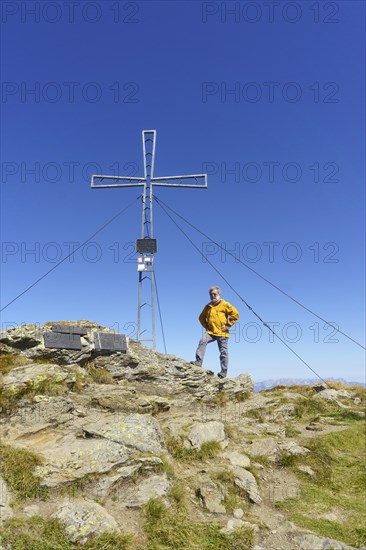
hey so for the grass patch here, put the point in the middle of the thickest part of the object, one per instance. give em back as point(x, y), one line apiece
point(80, 381)
point(232, 500)
point(311, 408)
point(291, 431)
point(355, 389)
point(170, 529)
point(257, 414)
point(99, 375)
point(320, 458)
point(260, 459)
point(17, 467)
point(165, 467)
point(208, 449)
point(10, 395)
point(304, 390)
point(340, 483)
point(43, 360)
point(286, 460)
point(329, 528)
point(11, 361)
point(242, 396)
point(178, 494)
point(226, 477)
point(234, 496)
point(110, 541)
point(230, 431)
point(35, 533)
point(346, 416)
point(177, 450)
point(44, 386)
point(358, 391)
point(76, 487)
point(221, 399)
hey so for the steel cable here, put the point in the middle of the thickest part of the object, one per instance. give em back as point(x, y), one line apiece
point(71, 254)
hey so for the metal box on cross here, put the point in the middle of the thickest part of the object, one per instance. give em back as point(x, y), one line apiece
point(146, 246)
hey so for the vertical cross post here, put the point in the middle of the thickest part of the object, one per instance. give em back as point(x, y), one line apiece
point(198, 181)
point(147, 230)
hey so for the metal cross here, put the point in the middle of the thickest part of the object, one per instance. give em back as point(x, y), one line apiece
point(148, 182)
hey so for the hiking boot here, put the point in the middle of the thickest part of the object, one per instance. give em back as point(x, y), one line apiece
point(197, 363)
point(221, 375)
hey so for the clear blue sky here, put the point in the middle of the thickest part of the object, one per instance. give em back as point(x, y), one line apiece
point(268, 99)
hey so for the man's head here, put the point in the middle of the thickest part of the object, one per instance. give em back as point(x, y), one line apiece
point(215, 293)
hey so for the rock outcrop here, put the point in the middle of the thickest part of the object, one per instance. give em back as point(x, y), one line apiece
point(112, 430)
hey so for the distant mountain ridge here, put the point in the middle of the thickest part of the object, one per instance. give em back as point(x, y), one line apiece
point(271, 383)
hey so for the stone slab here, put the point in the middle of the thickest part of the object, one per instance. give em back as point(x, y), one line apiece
point(61, 340)
point(110, 341)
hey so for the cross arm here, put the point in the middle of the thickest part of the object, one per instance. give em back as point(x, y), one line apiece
point(122, 181)
point(195, 180)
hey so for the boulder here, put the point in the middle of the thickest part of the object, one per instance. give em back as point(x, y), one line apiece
point(238, 459)
point(151, 487)
point(206, 431)
point(320, 387)
point(71, 458)
point(211, 497)
point(22, 337)
point(330, 395)
point(238, 388)
point(236, 523)
point(137, 431)
point(293, 448)
point(266, 446)
point(114, 397)
point(34, 374)
point(83, 520)
point(125, 398)
point(245, 480)
point(344, 394)
point(306, 469)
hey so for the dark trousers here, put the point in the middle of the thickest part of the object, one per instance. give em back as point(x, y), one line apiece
point(222, 343)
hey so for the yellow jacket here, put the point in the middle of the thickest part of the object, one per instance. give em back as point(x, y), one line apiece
point(214, 316)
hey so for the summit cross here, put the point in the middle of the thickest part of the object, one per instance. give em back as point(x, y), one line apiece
point(198, 181)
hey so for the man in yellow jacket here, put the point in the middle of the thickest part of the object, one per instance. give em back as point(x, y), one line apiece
point(216, 318)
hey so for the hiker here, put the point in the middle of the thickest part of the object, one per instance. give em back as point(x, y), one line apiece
point(216, 318)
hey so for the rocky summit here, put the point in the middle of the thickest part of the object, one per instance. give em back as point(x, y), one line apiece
point(121, 447)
